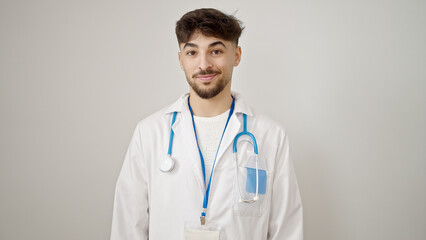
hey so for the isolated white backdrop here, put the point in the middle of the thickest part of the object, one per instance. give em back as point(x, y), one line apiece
point(346, 78)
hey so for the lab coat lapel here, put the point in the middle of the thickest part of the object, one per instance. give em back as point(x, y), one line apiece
point(232, 130)
point(184, 132)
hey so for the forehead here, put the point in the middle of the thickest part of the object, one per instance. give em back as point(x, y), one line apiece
point(203, 41)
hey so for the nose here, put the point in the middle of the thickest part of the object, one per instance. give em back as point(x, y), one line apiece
point(205, 63)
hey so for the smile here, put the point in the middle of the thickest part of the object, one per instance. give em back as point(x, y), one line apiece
point(206, 78)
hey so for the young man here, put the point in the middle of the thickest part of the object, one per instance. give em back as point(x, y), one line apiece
point(207, 166)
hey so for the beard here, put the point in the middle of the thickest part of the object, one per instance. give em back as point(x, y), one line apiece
point(208, 90)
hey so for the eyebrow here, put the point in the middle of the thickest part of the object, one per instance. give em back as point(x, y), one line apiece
point(217, 43)
point(210, 45)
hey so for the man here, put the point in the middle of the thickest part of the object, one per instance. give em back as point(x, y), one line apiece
point(179, 179)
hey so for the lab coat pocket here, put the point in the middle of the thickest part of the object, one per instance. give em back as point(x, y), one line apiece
point(251, 187)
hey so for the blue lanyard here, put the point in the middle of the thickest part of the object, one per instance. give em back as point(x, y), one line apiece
point(206, 195)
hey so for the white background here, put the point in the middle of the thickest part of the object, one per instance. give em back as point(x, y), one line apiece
point(346, 78)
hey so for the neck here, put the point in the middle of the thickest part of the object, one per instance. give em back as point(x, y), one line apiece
point(210, 107)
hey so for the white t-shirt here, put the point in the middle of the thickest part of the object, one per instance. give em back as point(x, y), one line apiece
point(209, 132)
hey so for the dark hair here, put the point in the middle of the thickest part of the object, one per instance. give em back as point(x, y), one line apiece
point(209, 22)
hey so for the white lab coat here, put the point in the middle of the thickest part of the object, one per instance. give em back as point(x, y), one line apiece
point(150, 204)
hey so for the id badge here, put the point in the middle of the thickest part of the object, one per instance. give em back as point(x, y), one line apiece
point(196, 231)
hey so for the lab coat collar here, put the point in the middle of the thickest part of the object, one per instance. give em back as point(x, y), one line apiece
point(182, 104)
point(183, 125)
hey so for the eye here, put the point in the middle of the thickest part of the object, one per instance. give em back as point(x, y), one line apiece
point(216, 51)
point(190, 53)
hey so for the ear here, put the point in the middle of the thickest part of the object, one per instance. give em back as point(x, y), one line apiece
point(180, 60)
point(237, 56)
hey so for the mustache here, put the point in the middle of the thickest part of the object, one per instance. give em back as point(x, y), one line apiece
point(206, 72)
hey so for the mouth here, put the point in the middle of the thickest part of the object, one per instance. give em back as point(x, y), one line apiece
point(206, 78)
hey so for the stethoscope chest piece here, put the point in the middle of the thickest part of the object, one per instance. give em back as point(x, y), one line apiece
point(167, 164)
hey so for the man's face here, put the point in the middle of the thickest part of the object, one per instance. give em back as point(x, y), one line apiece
point(208, 63)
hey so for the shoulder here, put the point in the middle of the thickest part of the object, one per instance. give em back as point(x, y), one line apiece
point(256, 120)
point(154, 121)
point(271, 137)
point(162, 117)
point(267, 124)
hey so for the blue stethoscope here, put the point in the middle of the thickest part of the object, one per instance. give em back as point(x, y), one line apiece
point(167, 164)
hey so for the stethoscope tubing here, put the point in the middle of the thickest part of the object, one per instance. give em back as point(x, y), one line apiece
point(169, 151)
point(256, 152)
point(234, 150)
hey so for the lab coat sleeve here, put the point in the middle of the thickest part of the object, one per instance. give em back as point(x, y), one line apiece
point(286, 216)
point(130, 214)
